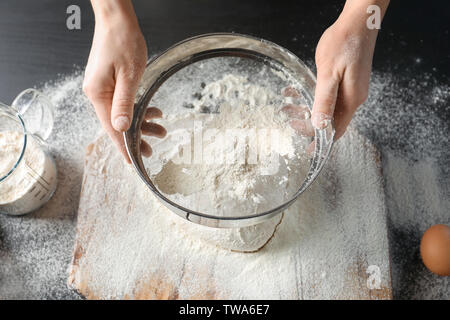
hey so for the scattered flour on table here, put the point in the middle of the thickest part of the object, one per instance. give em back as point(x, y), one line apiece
point(406, 117)
point(35, 249)
point(320, 236)
point(317, 239)
point(388, 112)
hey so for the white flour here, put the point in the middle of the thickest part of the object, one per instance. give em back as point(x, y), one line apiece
point(35, 249)
point(312, 254)
point(330, 231)
point(402, 116)
point(235, 159)
point(243, 156)
point(32, 181)
point(254, 269)
point(11, 144)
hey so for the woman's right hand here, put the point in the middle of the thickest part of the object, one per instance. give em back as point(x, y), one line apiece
point(116, 64)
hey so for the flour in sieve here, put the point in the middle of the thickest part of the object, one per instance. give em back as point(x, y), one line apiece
point(231, 152)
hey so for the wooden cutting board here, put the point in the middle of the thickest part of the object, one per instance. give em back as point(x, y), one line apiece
point(333, 247)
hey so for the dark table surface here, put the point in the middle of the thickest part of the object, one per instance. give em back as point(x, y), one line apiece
point(36, 46)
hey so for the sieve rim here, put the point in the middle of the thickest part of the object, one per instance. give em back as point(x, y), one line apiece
point(324, 138)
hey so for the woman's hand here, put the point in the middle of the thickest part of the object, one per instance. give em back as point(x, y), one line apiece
point(344, 60)
point(116, 63)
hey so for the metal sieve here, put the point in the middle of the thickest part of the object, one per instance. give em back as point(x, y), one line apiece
point(192, 50)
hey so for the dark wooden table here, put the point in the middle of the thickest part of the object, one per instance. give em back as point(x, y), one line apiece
point(36, 46)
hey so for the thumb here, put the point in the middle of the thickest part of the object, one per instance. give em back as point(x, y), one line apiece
point(324, 99)
point(123, 102)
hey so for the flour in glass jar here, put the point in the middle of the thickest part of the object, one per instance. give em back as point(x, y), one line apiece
point(32, 180)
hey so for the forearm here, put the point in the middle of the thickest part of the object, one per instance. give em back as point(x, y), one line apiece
point(355, 14)
point(353, 21)
point(114, 10)
point(359, 7)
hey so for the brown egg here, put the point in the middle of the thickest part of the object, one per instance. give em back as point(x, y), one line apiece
point(435, 249)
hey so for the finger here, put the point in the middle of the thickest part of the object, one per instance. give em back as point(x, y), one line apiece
point(342, 117)
point(324, 99)
point(152, 113)
point(118, 139)
point(342, 124)
point(99, 85)
point(153, 129)
point(123, 101)
point(346, 104)
point(146, 150)
point(290, 92)
point(102, 109)
point(302, 127)
point(296, 111)
point(99, 88)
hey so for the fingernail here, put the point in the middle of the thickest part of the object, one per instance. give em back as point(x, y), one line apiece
point(320, 120)
point(121, 123)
